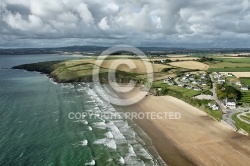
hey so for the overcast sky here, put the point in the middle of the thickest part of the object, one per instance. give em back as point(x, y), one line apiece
point(167, 23)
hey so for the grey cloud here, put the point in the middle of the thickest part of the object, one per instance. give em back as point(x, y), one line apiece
point(138, 22)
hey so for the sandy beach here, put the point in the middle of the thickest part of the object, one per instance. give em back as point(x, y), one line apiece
point(194, 139)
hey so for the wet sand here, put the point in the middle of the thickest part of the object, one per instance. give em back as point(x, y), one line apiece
point(195, 139)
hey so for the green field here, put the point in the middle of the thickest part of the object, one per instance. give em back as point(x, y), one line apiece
point(246, 118)
point(245, 81)
point(239, 124)
point(234, 60)
point(231, 69)
point(230, 65)
point(186, 92)
point(245, 97)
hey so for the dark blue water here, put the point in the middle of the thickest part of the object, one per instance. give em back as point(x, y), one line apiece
point(35, 128)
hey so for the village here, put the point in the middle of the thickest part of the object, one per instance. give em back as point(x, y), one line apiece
point(202, 82)
point(224, 91)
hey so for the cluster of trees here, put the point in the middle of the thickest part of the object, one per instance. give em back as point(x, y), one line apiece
point(226, 91)
point(205, 59)
point(165, 61)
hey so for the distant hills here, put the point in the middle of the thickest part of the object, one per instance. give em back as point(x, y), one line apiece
point(96, 50)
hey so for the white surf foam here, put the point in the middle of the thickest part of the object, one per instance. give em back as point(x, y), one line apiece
point(84, 142)
point(121, 160)
point(91, 163)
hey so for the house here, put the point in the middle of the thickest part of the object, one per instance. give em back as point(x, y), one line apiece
point(213, 106)
point(171, 83)
point(238, 83)
point(216, 76)
point(191, 78)
point(222, 74)
point(159, 89)
point(184, 78)
point(230, 103)
point(203, 83)
point(244, 87)
point(189, 87)
point(187, 75)
point(203, 76)
point(197, 88)
point(194, 82)
point(180, 84)
point(221, 80)
point(165, 81)
point(186, 81)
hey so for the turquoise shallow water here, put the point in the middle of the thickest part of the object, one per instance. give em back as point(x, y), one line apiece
point(36, 130)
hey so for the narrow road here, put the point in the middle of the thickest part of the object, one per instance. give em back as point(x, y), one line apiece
point(227, 113)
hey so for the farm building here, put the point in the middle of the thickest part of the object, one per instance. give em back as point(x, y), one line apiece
point(230, 103)
point(238, 83)
point(244, 87)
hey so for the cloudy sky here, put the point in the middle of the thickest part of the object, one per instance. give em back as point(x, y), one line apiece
point(167, 23)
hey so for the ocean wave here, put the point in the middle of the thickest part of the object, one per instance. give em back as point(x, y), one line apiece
point(121, 160)
point(110, 143)
point(100, 125)
point(109, 135)
point(91, 163)
point(84, 143)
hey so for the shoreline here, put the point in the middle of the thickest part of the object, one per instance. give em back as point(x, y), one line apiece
point(168, 151)
point(165, 147)
point(195, 139)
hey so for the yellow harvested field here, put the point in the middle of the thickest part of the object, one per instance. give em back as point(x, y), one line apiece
point(139, 65)
point(190, 65)
point(230, 57)
point(118, 64)
point(233, 55)
point(241, 74)
point(175, 58)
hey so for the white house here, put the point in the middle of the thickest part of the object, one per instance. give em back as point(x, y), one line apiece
point(186, 81)
point(197, 88)
point(213, 106)
point(165, 81)
point(203, 83)
point(191, 78)
point(238, 83)
point(181, 85)
point(170, 83)
point(230, 103)
point(194, 82)
point(163, 61)
point(203, 76)
point(244, 87)
point(221, 80)
point(184, 78)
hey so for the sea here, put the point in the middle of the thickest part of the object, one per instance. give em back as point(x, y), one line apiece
point(36, 129)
